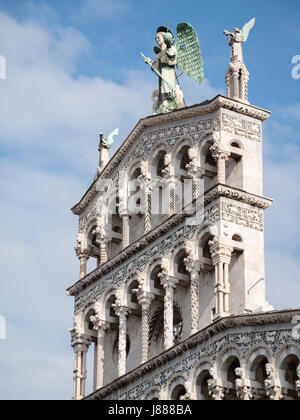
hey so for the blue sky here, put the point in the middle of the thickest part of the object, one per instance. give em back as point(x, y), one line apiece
point(73, 70)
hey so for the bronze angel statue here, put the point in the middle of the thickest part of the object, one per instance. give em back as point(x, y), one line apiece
point(185, 54)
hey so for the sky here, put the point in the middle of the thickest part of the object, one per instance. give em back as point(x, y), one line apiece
point(73, 69)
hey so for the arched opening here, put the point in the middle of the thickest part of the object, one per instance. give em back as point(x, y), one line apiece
point(180, 271)
point(178, 392)
point(115, 225)
point(131, 296)
point(94, 249)
point(160, 190)
point(202, 385)
point(235, 145)
point(110, 314)
point(237, 238)
point(208, 163)
point(229, 377)
point(258, 375)
point(136, 205)
point(183, 188)
point(288, 375)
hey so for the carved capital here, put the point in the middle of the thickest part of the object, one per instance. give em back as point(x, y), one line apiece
point(98, 323)
point(145, 299)
point(79, 342)
point(167, 282)
point(220, 252)
point(81, 254)
point(121, 311)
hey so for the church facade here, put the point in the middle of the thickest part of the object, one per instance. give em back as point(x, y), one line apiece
point(175, 308)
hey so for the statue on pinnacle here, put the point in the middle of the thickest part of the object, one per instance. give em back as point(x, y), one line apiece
point(237, 75)
point(185, 54)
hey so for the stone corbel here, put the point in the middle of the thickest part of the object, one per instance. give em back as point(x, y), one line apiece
point(273, 390)
point(215, 390)
point(243, 391)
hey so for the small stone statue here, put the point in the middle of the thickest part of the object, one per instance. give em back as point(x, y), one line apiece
point(273, 391)
point(236, 38)
point(237, 75)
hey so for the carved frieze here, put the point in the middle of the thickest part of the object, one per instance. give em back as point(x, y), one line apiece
point(242, 127)
point(244, 216)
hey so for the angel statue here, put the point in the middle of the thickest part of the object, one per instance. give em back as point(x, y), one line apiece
point(237, 75)
point(185, 54)
point(236, 39)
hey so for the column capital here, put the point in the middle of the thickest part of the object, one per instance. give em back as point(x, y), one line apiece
point(99, 324)
point(218, 151)
point(220, 252)
point(121, 311)
point(194, 267)
point(79, 342)
point(145, 298)
point(167, 281)
point(81, 253)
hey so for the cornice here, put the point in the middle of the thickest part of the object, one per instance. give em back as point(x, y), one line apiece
point(222, 190)
point(156, 120)
point(208, 333)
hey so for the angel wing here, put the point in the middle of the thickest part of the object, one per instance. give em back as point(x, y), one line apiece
point(111, 136)
point(189, 58)
point(247, 28)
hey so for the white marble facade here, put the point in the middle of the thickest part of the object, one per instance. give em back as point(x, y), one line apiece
point(165, 278)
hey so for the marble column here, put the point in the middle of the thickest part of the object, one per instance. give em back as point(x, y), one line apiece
point(81, 347)
point(220, 157)
point(125, 230)
point(147, 219)
point(122, 312)
point(196, 269)
point(83, 258)
point(221, 257)
point(145, 299)
point(169, 284)
point(101, 327)
point(103, 250)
